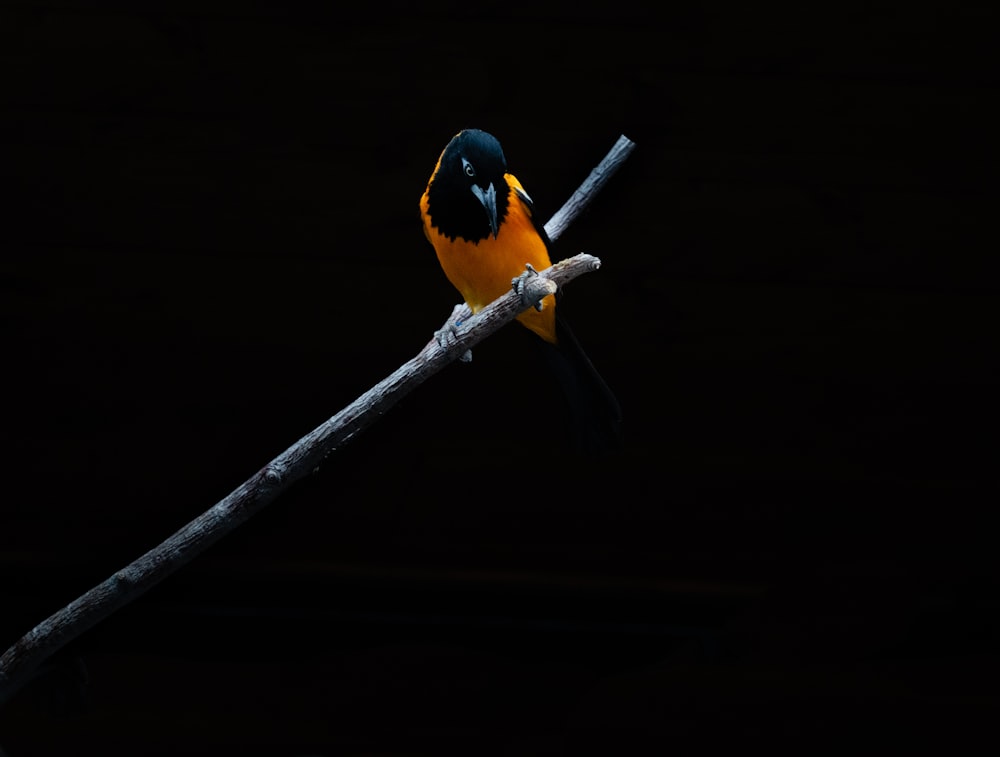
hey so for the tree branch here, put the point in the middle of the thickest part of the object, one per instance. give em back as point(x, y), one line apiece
point(19, 662)
point(593, 184)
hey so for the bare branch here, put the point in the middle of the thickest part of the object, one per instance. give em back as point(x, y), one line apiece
point(590, 187)
point(19, 662)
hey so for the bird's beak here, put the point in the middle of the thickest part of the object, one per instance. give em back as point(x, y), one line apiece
point(488, 198)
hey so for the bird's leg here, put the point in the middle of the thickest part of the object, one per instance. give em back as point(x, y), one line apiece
point(519, 282)
point(447, 335)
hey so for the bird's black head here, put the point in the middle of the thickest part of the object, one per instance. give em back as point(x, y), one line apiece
point(468, 195)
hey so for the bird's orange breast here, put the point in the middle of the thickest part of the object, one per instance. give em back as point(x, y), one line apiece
point(482, 271)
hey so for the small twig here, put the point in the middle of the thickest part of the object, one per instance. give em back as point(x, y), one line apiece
point(20, 661)
point(590, 187)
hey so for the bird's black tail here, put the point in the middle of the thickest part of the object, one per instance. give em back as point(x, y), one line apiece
point(593, 416)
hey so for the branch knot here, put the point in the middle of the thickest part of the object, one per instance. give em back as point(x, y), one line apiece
point(274, 474)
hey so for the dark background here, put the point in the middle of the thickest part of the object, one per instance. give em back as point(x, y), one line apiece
point(210, 244)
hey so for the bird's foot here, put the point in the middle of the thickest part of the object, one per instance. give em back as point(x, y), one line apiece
point(447, 335)
point(529, 294)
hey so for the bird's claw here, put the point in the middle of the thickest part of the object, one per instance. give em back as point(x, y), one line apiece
point(518, 283)
point(447, 335)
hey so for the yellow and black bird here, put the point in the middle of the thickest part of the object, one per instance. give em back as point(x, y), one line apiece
point(482, 225)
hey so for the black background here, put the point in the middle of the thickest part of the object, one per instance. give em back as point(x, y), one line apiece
point(211, 244)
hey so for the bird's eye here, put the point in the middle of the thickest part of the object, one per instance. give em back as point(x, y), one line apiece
point(469, 170)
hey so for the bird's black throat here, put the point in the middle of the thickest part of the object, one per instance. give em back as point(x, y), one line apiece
point(453, 208)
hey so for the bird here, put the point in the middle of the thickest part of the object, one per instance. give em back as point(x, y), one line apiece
point(483, 227)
